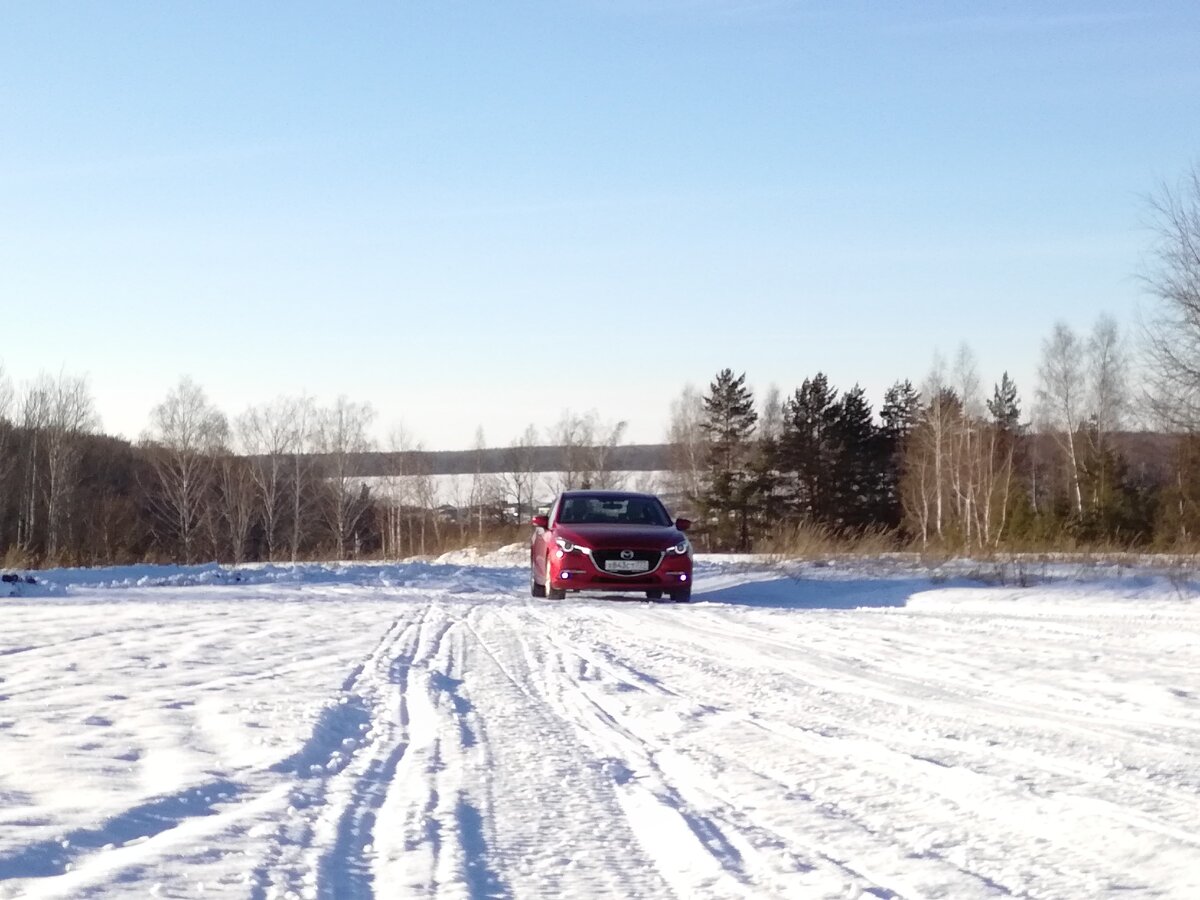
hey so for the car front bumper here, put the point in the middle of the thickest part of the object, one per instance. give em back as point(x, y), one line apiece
point(578, 572)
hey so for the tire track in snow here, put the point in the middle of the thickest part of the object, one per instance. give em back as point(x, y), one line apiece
point(227, 803)
point(862, 767)
point(436, 805)
point(319, 846)
point(1034, 740)
point(555, 822)
point(768, 861)
point(344, 871)
point(868, 785)
point(677, 813)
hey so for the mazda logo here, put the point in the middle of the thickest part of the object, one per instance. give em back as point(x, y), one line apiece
point(626, 554)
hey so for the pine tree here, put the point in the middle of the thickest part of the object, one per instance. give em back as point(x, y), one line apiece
point(1008, 454)
point(857, 461)
point(806, 450)
point(1005, 410)
point(901, 410)
point(899, 415)
point(729, 486)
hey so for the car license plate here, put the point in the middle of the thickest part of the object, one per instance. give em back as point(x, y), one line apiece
point(627, 565)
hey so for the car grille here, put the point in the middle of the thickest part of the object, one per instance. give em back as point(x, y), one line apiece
point(652, 557)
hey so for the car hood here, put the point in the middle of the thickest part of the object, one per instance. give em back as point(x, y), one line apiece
point(616, 537)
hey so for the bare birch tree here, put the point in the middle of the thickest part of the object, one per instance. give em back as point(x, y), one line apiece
point(342, 435)
point(8, 457)
point(70, 414)
point(604, 438)
point(399, 494)
point(303, 484)
point(966, 461)
point(1108, 398)
point(1108, 377)
point(918, 486)
point(689, 445)
point(938, 423)
point(238, 500)
point(926, 489)
point(35, 414)
point(517, 479)
point(1172, 331)
point(6, 394)
point(425, 492)
point(770, 419)
point(587, 445)
point(267, 435)
point(187, 434)
point(568, 436)
point(1061, 395)
point(483, 484)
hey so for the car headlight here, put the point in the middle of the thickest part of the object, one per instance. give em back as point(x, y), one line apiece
point(681, 548)
point(567, 547)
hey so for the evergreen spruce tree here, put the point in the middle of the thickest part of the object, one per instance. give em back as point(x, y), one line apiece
point(729, 485)
point(768, 502)
point(901, 410)
point(1010, 456)
point(856, 462)
point(1120, 506)
point(1005, 410)
point(807, 449)
point(899, 415)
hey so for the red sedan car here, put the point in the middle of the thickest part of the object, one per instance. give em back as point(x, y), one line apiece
point(610, 541)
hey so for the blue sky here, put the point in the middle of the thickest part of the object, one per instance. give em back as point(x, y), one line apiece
point(483, 214)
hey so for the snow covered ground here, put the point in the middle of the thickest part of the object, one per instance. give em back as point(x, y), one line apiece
point(427, 729)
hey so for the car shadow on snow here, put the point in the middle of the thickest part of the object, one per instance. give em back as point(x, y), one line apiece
point(781, 591)
point(787, 592)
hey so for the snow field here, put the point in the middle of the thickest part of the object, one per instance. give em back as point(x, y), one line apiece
point(428, 730)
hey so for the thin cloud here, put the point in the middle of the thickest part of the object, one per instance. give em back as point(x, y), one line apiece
point(137, 164)
point(725, 9)
point(1023, 23)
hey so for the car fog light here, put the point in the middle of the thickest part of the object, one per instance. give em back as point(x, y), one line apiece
point(566, 575)
point(683, 576)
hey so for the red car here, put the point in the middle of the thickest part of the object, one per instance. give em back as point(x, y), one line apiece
point(610, 541)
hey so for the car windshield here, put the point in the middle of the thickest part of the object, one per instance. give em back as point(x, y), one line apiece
point(585, 510)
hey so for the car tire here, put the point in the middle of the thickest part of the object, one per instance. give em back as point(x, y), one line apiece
point(653, 595)
point(552, 593)
point(535, 589)
point(683, 595)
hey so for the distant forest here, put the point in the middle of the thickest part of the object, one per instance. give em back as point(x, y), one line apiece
point(497, 460)
point(290, 481)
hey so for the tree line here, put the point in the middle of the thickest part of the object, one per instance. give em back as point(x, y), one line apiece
point(284, 481)
point(942, 465)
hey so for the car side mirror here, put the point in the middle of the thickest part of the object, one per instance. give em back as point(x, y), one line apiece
point(683, 524)
point(540, 521)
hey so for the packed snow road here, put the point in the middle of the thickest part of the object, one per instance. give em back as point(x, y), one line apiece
point(427, 730)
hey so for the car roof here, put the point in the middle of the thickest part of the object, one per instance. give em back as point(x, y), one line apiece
point(587, 493)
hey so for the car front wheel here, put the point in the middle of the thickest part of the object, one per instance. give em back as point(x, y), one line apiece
point(552, 593)
point(683, 595)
